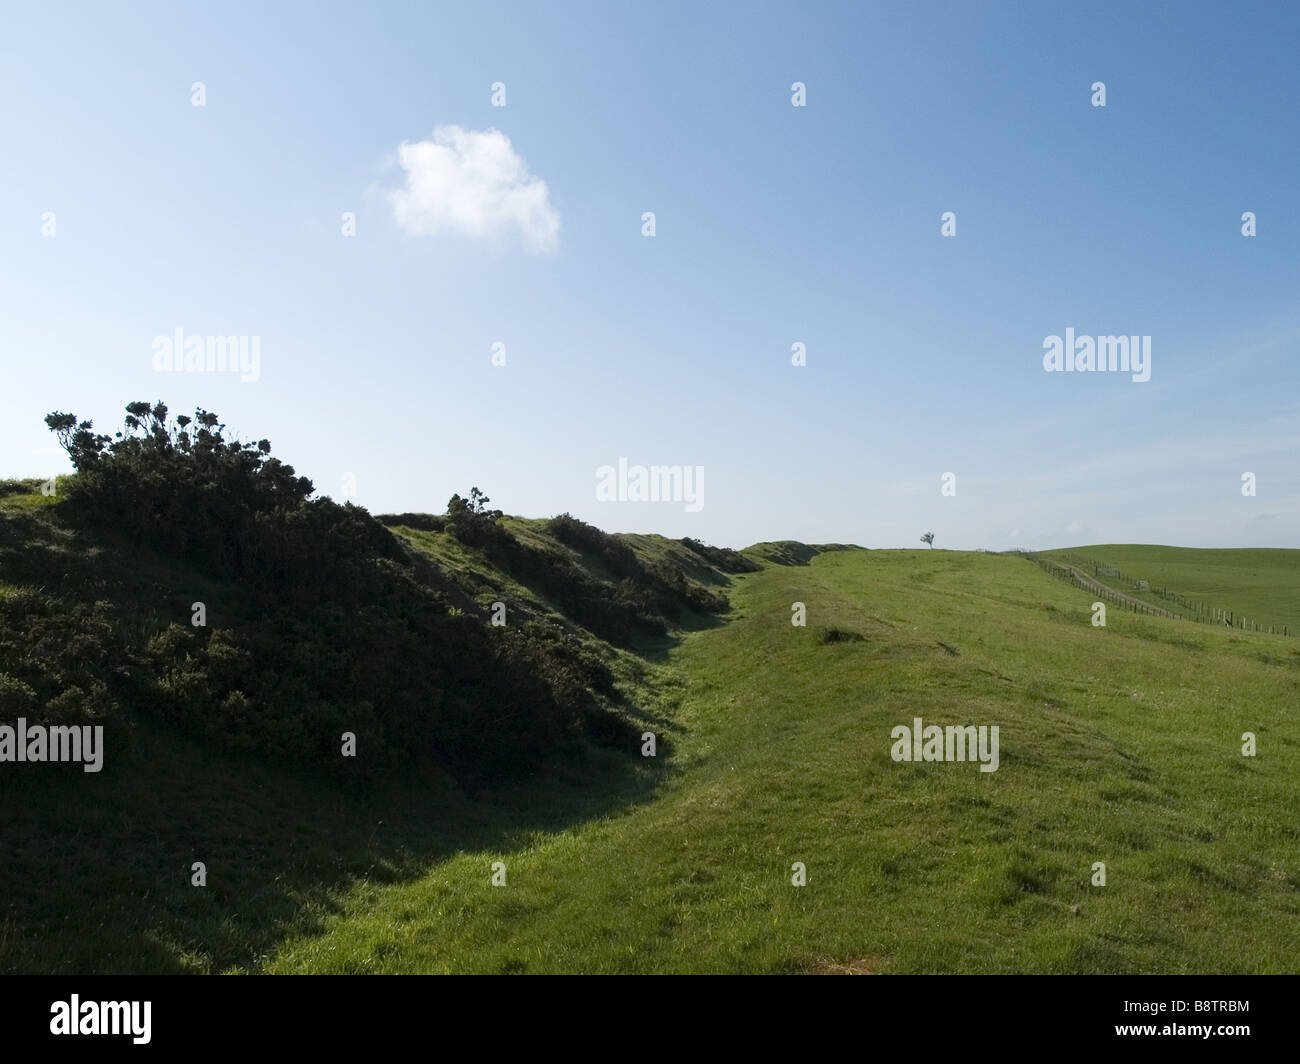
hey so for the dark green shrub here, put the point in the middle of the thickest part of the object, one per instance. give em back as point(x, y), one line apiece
point(419, 522)
point(329, 627)
point(722, 558)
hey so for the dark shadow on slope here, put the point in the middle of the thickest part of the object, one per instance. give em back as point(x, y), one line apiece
point(97, 869)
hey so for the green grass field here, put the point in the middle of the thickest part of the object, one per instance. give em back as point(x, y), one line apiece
point(1120, 745)
point(1260, 584)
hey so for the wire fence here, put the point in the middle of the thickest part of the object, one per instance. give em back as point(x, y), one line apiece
point(1191, 609)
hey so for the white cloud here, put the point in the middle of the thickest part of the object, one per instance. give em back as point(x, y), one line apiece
point(473, 182)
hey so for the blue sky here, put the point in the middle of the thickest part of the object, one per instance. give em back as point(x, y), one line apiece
point(775, 224)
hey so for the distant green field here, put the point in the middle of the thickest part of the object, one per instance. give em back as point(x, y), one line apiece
point(1260, 584)
point(1119, 745)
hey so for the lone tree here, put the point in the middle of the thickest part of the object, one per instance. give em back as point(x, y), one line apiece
point(928, 538)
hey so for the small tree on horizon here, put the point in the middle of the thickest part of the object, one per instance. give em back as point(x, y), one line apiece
point(471, 522)
point(928, 538)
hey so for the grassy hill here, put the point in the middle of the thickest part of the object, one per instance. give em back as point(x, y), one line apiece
point(226, 750)
point(1262, 585)
point(1119, 745)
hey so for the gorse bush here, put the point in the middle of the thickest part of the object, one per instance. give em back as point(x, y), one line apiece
point(617, 614)
point(319, 621)
point(657, 591)
point(616, 556)
point(328, 627)
point(722, 558)
point(58, 660)
point(472, 523)
point(420, 522)
point(228, 508)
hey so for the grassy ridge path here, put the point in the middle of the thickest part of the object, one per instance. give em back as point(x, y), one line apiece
point(1118, 745)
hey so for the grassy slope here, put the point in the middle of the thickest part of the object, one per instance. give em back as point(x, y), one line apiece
point(1119, 745)
point(94, 868)
point(1261, 584)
